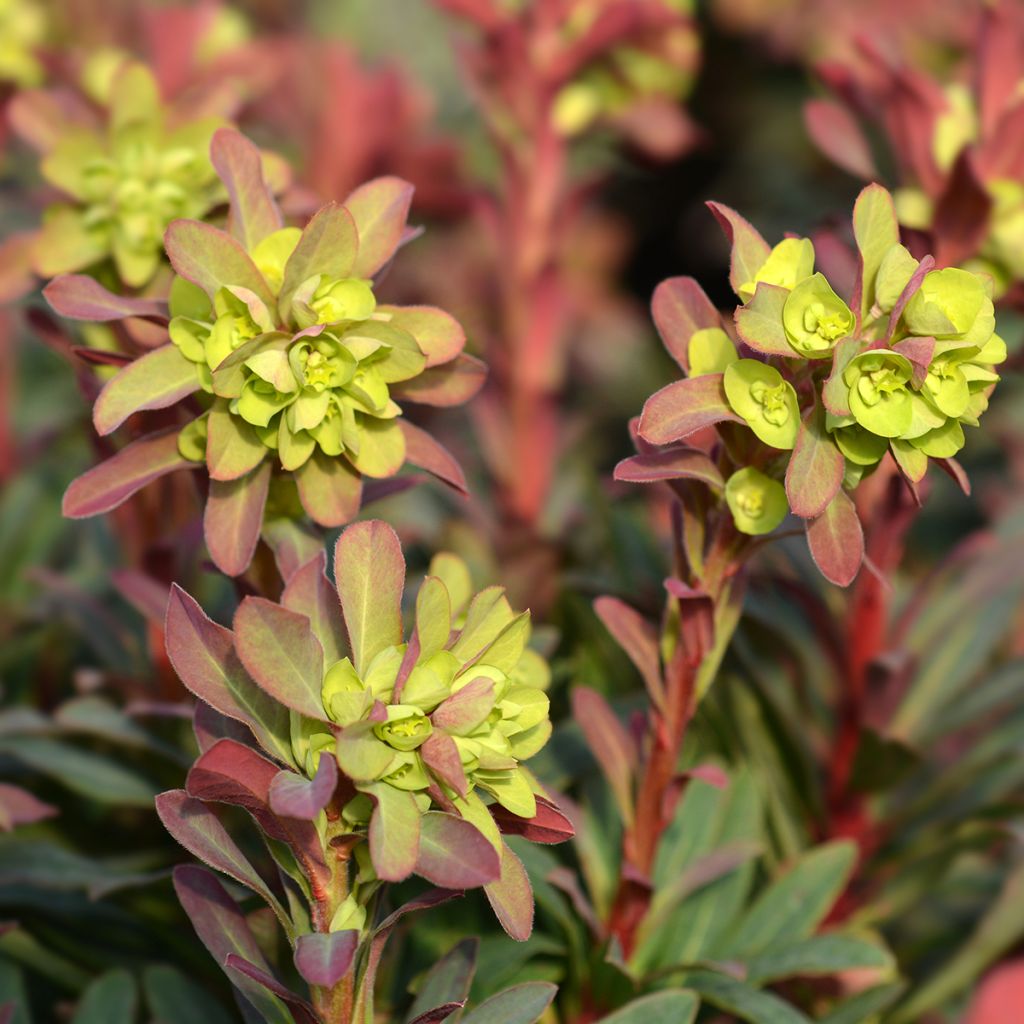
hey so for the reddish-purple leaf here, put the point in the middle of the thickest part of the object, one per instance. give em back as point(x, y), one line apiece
point(962, 213)
point(434, 1016)
point(749, 249)
point(369, 569)
point(684, 407)
point(638, 638)
point(239, 969)
point(835, 393)
point(295, 796)
point(380, 209)
point(511, 897)
point(394, 832)
point(310, 593)
point(836, 541)
point(324, 958)
point(465, 709)
point(232, 446)
point(670, 464)
point(234, 517)
point(293, 542)
point(439, 335)
point(610, 745)
point(278, 649)
point(681, 308)
point(909, 290)
point(254, 213)
point(19, 807)
point(759, 322)
point(212, 259)
point(919, 351)
point(452, 384)
point(549, 825)
point(424, 452)
point(107, 485)
point(330, 489)
point(836, 132)
point(154, 381)
point(328, 246)
point(815, 471)
point(79, 297)
point(454, 854)
point(441, 756)
point(145, 594)
point(956, 473)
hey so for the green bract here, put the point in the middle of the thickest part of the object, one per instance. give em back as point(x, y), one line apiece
point(22, 30)
point(815, 318)
point(789, 263)
point(757, 502)
point(767, 403)
point(880, 396)
point(951, 304)
point(710, 350)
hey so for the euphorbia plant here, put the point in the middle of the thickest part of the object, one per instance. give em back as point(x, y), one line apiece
point(366, 753)
point(286, 362)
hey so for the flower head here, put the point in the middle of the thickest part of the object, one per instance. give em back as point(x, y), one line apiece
point(757, 502)
point(815, 318)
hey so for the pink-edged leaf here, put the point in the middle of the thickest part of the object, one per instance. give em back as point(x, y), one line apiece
point(79, 297)
point(328, 246)
point(234, 517)
point(113, 482)
point(212, 259)
point(549, 825)
point(19, 807)
point(511, 897)
point(680, 308)
point(876, 230)
point(836, 541)
point(454, 854)
point(434, 1016)
point(919, 351)
point(835, 393)
point(239, 969)
point(154, 381)
point(670, 464)
point(369, 569)
point(254, 213)
point(330, 489)
point(465, 709)
point(684, 407)
point(837, 133)
point(380, 209)
point(278, 649)
point(203, 655)
point(610, 745)
point(815, 471)
point(394, 832)
point(324, 958)
point(452, 384)
point(749, 249)
point(293, 542)
point(441, 756)
point(424, 452)
point(148, 596)
point(310, 593)
point(759, 322)
point(232, 446)
point(956, 473)
point(638, 638)
point(439, 335)
point(910, 289)
point(295, 796)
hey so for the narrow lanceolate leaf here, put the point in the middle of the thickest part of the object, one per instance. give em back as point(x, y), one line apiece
point(111, 999)
point(154, 381)
point(439, 335)
point(278, 649)
point(370, 572)
point(817, 955)
point(79, 297)
point(876, 230)
point(609, 744)
point(294, 796)
point(380, 209)
point(520, 1004)
point(815, 471)
point(836, 541)
point(637, 637)
point(743, 1001)
point(330, 489)
point(107, 485)
point(452, 384)
point(511, 897)
point(673, 1006)
point(203, 655)
point(759, 322)
point(241, 971)
point(835, 131)
point(232, 447)
point(328, 246)
point(672, 464)
point(323, 959)
point(749, 249)
point(681, 308)
point(394, 832)
point(254, 213)
point(447, 982)
point(234, 517)
point(422, 451)
point(684, 407)
point(212, 259)
point(310, 593)
point(453, 854)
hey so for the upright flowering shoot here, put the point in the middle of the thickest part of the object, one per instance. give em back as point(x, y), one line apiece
point(829, 386)
point(290, 368)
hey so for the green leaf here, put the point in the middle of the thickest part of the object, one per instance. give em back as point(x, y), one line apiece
point(759, 322)
point(254, 214)
point(684, 407)
point(330, 489)
point(865, 1005)
point(212, 259)
point(232, 447)
point(876, 230)
point(745, 1002)
point(673, 1006)
point(447, 981)
point(818, 955)
point(328, 246)
point(380, 209)
point(111, 999)
point(521, 1004)
point(815, 471)
point(174, 998)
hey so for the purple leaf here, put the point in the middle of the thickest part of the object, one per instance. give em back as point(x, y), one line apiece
point(749, 249)
point(548, 826)
point(610, 745)
point(310, 593)
point(113, 482)
point(511, 897)
point(815, 471)
point(454, 854)
point(154, 381)
point(436, 1015)
point(671, 464)
point(323, 959)
point(300, 1011)
point(680, 309)
point(254, 213)
point(684, 407)
point(835, 131)
point(638, 638)
point(465, 709)
point(926, 265)
point(295, 796)
point(234, 517)
point(394, 832)
point(836, 541)
point(441, 756)
point(328, 246)
point(19, 807)
point(439, 335)
point(212, 259)
point(379, 209)
point(452, 384)
point(422, 451)
point(759, 322)
point(79, 297)
point(919, 351)
point(232, 446)
point(329, 489)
